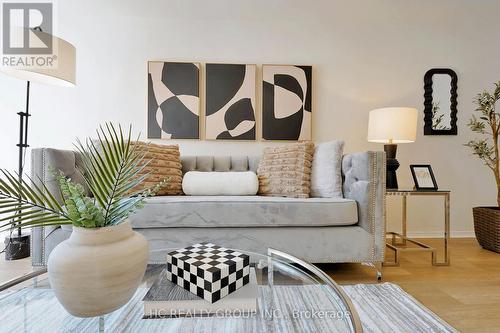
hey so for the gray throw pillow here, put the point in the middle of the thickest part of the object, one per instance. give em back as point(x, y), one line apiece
point(326, 171)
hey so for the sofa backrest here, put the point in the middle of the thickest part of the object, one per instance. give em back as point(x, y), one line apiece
point(219, 163)
point(44, 161)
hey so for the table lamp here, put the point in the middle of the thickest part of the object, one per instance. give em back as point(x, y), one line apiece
point(392, 126)
point(18, 246)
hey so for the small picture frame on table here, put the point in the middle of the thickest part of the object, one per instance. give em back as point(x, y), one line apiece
point(423, 177)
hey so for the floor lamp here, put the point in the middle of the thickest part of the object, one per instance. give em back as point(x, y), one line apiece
point(17, 245)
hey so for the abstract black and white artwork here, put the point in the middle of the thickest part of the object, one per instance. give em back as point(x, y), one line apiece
point(286, 102)
point(173, 100)
point(230, 102)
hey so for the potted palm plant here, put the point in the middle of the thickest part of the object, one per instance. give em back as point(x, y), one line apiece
point(100, 266)
point(487, 219)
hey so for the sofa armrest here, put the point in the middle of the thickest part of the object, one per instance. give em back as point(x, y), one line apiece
point(364, 181)
point(43, 160)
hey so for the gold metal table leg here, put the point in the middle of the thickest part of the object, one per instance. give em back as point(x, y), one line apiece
point(396, 247)
point(404, 217)
point(394, 263)
point(446, 240)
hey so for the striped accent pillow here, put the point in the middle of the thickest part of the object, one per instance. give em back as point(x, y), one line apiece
point(286, 171)
point(164, 162)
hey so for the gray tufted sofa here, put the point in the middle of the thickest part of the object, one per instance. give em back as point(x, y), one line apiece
point(319, 230)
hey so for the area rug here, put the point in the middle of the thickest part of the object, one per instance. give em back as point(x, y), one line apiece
point(381, 307)
point(386, 307)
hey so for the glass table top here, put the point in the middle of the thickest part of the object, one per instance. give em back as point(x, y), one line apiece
point(412, 190)
point(292, 296)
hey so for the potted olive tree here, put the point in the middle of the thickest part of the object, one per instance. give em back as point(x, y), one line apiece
point(487, 219)
point(100, 266)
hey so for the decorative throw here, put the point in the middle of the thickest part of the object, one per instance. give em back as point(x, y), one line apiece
point(164, 162)
point(326, 172)
point(286, 171)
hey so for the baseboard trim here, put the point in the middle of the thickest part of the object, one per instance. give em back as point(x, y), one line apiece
point(439, 234)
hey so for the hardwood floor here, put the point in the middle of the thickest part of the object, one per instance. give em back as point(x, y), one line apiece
point(465, 294)
point(12, 269)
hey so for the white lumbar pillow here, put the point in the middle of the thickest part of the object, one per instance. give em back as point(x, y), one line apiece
point(220, 183)
point(326, 171)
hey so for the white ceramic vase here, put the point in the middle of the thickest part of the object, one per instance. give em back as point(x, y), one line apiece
point(96, 271)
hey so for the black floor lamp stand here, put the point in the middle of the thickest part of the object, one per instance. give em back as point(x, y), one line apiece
point(17, 244)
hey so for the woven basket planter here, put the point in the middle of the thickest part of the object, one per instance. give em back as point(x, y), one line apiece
point(487, 227)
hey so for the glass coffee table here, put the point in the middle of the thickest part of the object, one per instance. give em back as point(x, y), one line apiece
point(293, 296)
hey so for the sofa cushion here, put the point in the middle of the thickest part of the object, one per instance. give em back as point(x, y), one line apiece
point(240, 163)
point(222, 163)
point(164, 163)
point(219, 163)
point(220, 183)
point(286, 171)
point(326, 170)
point(244, 211)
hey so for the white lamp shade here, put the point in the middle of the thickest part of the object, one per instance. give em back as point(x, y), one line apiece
point(393, 125)
point(64, 74)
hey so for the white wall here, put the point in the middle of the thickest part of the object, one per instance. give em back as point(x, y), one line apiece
point(366, 54)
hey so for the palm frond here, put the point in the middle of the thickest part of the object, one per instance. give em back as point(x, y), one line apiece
point(24, 204)
point(113, 168)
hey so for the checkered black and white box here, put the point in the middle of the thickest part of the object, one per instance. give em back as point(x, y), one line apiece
point(207, 270)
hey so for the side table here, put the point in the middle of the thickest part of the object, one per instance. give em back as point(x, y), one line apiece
point(399, 247)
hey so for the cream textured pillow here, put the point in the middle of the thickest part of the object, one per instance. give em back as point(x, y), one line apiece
point(326, 172)
point(164, 163)
point(220, 183)
point(286, 171)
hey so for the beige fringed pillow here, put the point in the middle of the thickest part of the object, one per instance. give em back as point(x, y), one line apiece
point(286, 171)
point(164, 162)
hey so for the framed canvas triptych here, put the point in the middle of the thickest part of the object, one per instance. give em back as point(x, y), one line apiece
point(173, 100)
point(286, 102)
point(230, 101)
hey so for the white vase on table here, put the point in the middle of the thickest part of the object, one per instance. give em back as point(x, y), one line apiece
point(96, 271)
